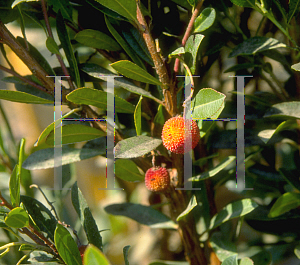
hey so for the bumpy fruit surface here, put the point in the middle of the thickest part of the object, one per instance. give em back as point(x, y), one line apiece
point(173, 135)
point(157, 179)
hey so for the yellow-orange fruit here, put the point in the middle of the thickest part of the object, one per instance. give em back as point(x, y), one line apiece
point(174, 135)
point(157, 179)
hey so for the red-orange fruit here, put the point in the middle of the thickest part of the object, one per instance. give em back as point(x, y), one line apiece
point(174, 138)
point(157, 179)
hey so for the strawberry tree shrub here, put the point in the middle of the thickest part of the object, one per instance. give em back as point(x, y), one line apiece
point(209, 124)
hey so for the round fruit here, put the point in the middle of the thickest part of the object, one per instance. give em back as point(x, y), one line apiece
point(174, 135)
point(157, 179)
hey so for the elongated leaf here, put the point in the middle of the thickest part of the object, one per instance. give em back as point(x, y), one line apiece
point(291, 176)
point(17, 218)
point(97, 98)
point(178, 51)
point(94, 256)
point(125, 254)
point(293, 7)
point(138, 117)
point(100, 72)
point(222, 246)
point(126, 8)
point(207, 103)
point(41, 215)
point(285, 203)
point(232, 210)
point(67, 47)
point(142, 214)
point(16, 2)
point(284, 110)
point(86, 217)
point(64, 6)
point(136, 146)
point(74, 133)
point(262, 258)
point(232, 260)
point(128, 170)
point(244, 3)
point(191, 50)
point(297, 251)
point(97, 39)
point(44, 158)
point(22, 97)
point(256, 44)
point(14, 186)
point(192, 204)
point(52, 46)
point(66, 246)
point(134, 72)
point(205, 19)
point(296, 67)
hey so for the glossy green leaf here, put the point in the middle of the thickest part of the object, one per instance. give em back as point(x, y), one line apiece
point(285, 203)
point(136, 146)
point(191, 50)
point(16, 2)
point(97, 39)
point(22, 97)
point(44, 158)
point(208, 103)
point(232, 260)
point(66, 246)
point(138, 117)
point(17, 218)
point(94, 256)
point(256, 44)
point(178, 51)
point(246, 261)
point(244, 3)
point(64, 6)
point(205, 19)
point(99, 72)
point(85, 215)
point(296, 67)
point(142, 214)
point(284, 110)
point(127, 170)
point(98, 98)
point(266, 135)
point(131, 53)
point(74, 133)
point(231, 211)
point(192, 204)
point(126, 8)
point(222, 246)
point(52, 46)
point(64, 38)
point(41, 215)
point(125, 254)
point(134, 72)
point(224, 163)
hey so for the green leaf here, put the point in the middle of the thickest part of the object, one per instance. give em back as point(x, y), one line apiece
point(41, 215)
point(208, 103)
point(192, 2)
point(192, 204)
point(297, 251)
point(86, 217)
point(285, 203)
point(166, 262)
point(126, 8)
point(14, 186)
point(191, 50)
point(134, 72)
point(241, 66)
point(22, 97)
point(296, 67)
point(94, 256)
point(284, 110)
point(222, 246)
point(136, 146)
point(159, 117)
point(98, 98)
point(131, 53)
point(244, 3)
point(96, 39)
point(266, 135)
point(256, 44)
point(17, 218)
point(178, 51)
point(128, 170)
point(63, 6)
point(64, 38)
point(291, 176)
point(99, 72)
point(52, 46)
point(44, 158)
point(232, 260)
point(74, 133)
point(125, 254)
point(293, 7)
point(262, 258)
point(224, 163)
point(138, 117)
point(246, 261)
point(142, 214)
point(205, 19)
point(16, 2)
point(231, 211)
point(66, 246)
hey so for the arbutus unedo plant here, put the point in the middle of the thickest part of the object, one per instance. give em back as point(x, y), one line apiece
point(175, 137)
